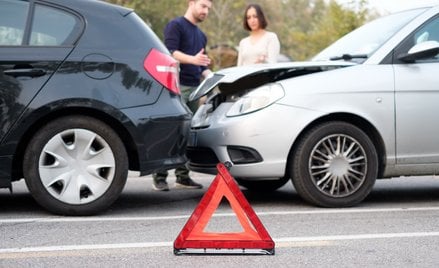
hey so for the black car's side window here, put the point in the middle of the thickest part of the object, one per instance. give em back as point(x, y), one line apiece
point(50, 26)
point(13, 16)
point(53, 27)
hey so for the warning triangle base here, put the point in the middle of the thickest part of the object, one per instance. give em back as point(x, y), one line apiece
point(223, 251)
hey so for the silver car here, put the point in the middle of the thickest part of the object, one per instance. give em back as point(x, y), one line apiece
point(364, 108)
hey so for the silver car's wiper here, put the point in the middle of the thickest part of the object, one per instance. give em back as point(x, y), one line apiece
point(348, 57)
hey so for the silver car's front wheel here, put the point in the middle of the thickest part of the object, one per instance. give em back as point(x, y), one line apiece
point(335, 165)
point(338, 165)
point(75, 165)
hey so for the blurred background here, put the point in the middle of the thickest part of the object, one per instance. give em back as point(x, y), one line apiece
point(304, 27)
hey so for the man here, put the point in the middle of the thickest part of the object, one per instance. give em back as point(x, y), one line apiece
point(187, 42)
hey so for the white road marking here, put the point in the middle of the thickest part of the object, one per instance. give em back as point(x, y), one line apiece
point(86, 247)
point(356, 237)
point(259, 214)
point(280, 242)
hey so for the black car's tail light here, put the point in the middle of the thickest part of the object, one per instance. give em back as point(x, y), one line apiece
point(164, 69)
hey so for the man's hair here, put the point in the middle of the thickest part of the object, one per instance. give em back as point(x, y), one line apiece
point(259, 13)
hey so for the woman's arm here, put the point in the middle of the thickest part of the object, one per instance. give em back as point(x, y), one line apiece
point(273, 48)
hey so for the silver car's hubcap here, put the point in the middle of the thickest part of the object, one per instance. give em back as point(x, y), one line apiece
point(77, 166)
point(338, 165)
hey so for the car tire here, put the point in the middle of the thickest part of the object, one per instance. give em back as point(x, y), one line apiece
point(75, 165)
point(335, 164)
point(262, 185)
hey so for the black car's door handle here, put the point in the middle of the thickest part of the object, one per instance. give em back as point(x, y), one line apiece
point(25, 72)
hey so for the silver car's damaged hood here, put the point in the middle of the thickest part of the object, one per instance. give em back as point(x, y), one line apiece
point(251, 76)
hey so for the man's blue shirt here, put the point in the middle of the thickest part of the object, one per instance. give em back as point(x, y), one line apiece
point(182, 35)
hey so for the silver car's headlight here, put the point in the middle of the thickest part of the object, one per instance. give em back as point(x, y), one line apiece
point(257, 99)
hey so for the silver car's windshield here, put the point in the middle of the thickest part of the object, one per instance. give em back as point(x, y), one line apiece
point(364, 41)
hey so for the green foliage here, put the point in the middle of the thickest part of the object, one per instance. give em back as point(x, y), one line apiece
point(304, 27)
point(224, 23)
point(156, 13)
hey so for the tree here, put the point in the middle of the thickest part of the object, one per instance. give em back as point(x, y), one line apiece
point(156, 13)
point(308, 26)
point(304, 27)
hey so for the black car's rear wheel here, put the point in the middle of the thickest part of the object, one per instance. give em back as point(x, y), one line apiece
point(335, 165)
point(75, 165)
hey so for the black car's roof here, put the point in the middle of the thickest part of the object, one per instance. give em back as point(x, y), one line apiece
point(98, 4)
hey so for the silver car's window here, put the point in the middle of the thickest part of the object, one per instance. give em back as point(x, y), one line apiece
point(369, 37)
point(12, 22)
point(428, 32)
point(52, 27)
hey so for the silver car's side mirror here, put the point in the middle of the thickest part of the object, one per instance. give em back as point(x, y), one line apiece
point(424, 50)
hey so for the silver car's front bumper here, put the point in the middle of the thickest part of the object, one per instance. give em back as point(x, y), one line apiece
point(257, 145)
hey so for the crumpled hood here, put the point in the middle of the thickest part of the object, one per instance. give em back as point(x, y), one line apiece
point(251, 76)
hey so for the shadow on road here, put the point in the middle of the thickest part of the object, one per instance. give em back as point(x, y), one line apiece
point(139, 198)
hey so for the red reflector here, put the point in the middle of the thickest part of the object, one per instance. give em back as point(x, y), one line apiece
point(194, 239)
point(164, 69)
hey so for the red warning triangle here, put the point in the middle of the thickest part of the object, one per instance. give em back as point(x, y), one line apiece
point(253, 240)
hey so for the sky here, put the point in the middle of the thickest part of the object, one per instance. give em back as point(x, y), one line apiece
point(390, 6)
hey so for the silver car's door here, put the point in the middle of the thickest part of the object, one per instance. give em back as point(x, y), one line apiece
point(417, 102)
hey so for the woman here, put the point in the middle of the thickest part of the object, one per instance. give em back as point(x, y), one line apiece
point(260, 46)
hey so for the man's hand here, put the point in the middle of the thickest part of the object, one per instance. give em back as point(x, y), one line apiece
point(201, 59)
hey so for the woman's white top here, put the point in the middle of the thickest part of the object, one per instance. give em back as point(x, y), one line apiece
point(265, 50)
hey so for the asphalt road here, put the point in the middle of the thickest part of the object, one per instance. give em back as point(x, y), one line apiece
point(397, 225)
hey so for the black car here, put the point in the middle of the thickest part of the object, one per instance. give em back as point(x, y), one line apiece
point(87, 92)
